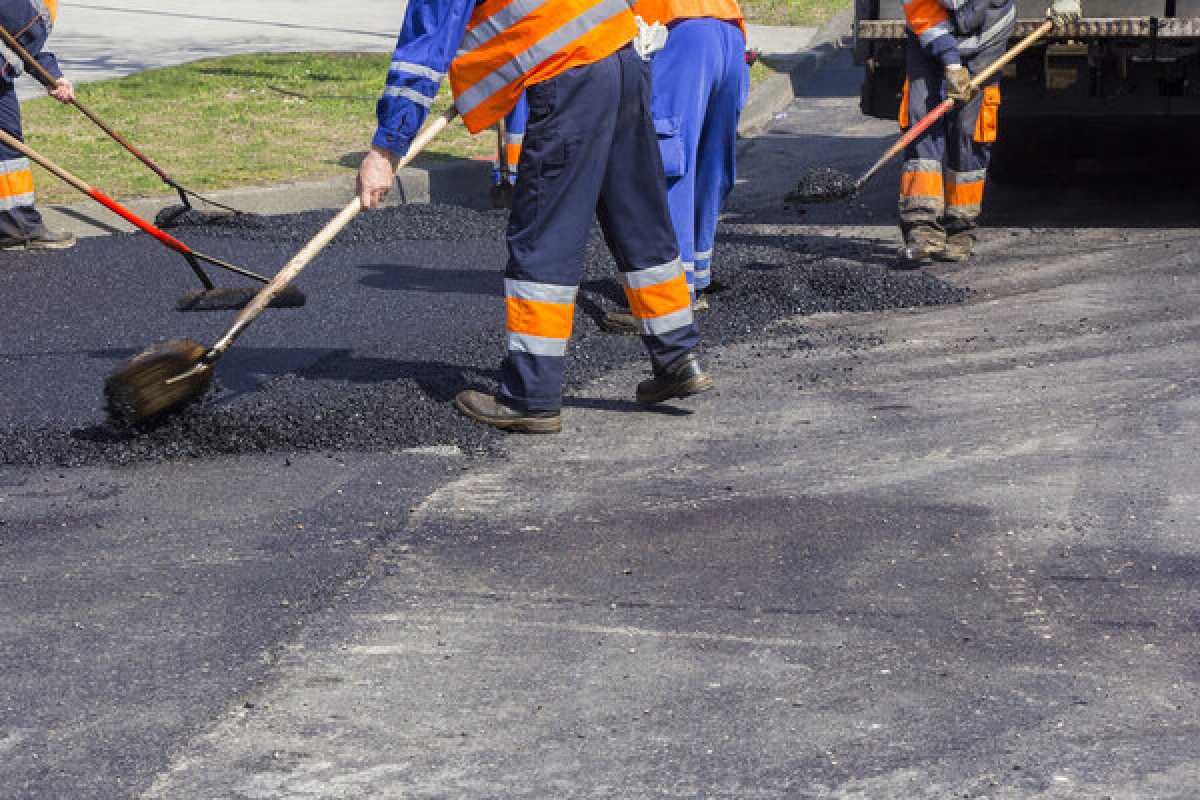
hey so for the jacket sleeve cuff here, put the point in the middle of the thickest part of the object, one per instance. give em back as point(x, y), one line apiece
point(393, 142)
point(50, 64)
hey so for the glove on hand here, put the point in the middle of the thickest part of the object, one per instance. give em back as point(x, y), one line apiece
point(958, 85)
point(650, 38)
point(1064, 12)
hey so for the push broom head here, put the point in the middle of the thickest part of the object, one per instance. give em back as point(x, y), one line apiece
point(235, 299)
point(143, 388)
point(823, 185)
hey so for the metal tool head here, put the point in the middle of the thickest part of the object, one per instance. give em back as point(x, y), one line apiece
point(236, 299)
point(153, 382)
point(823, 185)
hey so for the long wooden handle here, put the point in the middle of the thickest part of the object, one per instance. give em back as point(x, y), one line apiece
point(100, 197)
point(49, 81)
point(977, 83)
point(318, 243)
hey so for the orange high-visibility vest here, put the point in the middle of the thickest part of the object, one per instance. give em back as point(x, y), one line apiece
point(511, 44)
point(667, 11)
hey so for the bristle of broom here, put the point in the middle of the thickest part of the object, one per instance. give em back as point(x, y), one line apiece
point(235, 299)
point(139, 391)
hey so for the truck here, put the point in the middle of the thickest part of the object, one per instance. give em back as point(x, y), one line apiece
point(1125, 59)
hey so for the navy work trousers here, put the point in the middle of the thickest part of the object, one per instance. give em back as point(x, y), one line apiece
point(19, 220)
point(590, 151)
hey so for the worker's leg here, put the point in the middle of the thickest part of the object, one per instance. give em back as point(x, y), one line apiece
point(971, 136)
point(562, 168)
point(20, 221)
point(637, 224)
point(716, 164)
point(922, 188)
point(682, 77)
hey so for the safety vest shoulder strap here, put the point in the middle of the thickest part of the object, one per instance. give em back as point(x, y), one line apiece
point(511, 44)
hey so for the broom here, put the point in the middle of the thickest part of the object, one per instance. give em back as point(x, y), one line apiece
point(168, 376)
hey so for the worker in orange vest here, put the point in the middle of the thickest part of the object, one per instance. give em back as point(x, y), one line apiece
point(21, 226)
point(589, 150)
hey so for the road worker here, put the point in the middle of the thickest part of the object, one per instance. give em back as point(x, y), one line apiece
point(700, 81)
point(21, 226)
point(945, 169)
point(589, 150)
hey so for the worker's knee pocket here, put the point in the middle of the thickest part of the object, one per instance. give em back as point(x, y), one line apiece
point(670, 145)
point(542, 100)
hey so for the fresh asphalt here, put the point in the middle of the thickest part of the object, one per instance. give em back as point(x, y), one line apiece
point(943, 552)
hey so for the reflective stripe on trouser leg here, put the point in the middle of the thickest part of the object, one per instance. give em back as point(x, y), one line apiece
point(659, 299)
point(964, 194)
point(922, 189)
point(563, 162)
point(636, 222)
point(19, 219)
point(703, 269)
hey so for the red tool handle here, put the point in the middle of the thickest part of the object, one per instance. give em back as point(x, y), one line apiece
point(139, 223)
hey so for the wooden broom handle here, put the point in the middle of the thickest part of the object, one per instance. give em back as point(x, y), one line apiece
point(318, 243)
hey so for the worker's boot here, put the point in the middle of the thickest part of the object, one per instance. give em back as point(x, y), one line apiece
point(491, 411)
point(43, 239)
point(922, 243)
point(683, 377)
point(960, 244)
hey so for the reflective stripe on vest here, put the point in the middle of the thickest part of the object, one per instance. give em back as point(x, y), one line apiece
point(511, 44)
point(667, 11)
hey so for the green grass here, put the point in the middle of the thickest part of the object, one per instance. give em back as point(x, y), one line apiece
point(792, 12)
point(236, 121)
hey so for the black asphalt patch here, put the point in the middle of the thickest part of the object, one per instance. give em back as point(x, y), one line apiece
point(823, 185)
point(365, 398)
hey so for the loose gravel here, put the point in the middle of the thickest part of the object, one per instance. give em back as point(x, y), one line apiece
point(341, 403)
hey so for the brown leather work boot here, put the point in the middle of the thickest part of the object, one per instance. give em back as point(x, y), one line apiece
point(922, 243)
point(960, 246)
point(491, 411)
point(683, 377)
point(42, 240)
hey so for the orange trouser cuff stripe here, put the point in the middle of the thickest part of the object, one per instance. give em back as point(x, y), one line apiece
point(965, 194)
point(548, 320)
point(15, 184)
point(921, 184)
point(660, 299)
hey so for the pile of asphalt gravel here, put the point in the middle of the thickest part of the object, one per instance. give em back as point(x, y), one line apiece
point(328, 406)
point(822, 185)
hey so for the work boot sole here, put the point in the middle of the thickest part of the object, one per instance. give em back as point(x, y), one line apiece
point(694, 385)
point(952, 257)
point(514, 424)
point(67, 245)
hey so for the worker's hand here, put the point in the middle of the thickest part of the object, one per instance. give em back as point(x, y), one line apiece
point(1064, 12)
point(375, 176)
point(958, 84)
point(64, 91)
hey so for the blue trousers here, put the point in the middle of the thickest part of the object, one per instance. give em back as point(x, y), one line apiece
point(19, 219)
point(700, 86)
point(590, 151)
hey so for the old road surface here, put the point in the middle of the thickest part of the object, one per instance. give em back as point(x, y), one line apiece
point(918, 544)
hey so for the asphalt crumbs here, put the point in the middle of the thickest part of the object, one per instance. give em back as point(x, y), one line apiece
point(431, 325)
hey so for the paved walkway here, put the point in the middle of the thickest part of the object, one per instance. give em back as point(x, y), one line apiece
point(99, 39)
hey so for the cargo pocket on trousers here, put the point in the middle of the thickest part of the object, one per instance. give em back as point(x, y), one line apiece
point(671, 146)
point(902, 117)
point(987, 126)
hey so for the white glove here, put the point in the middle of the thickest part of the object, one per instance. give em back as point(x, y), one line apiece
point(1064, 12)
point(650, 38)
